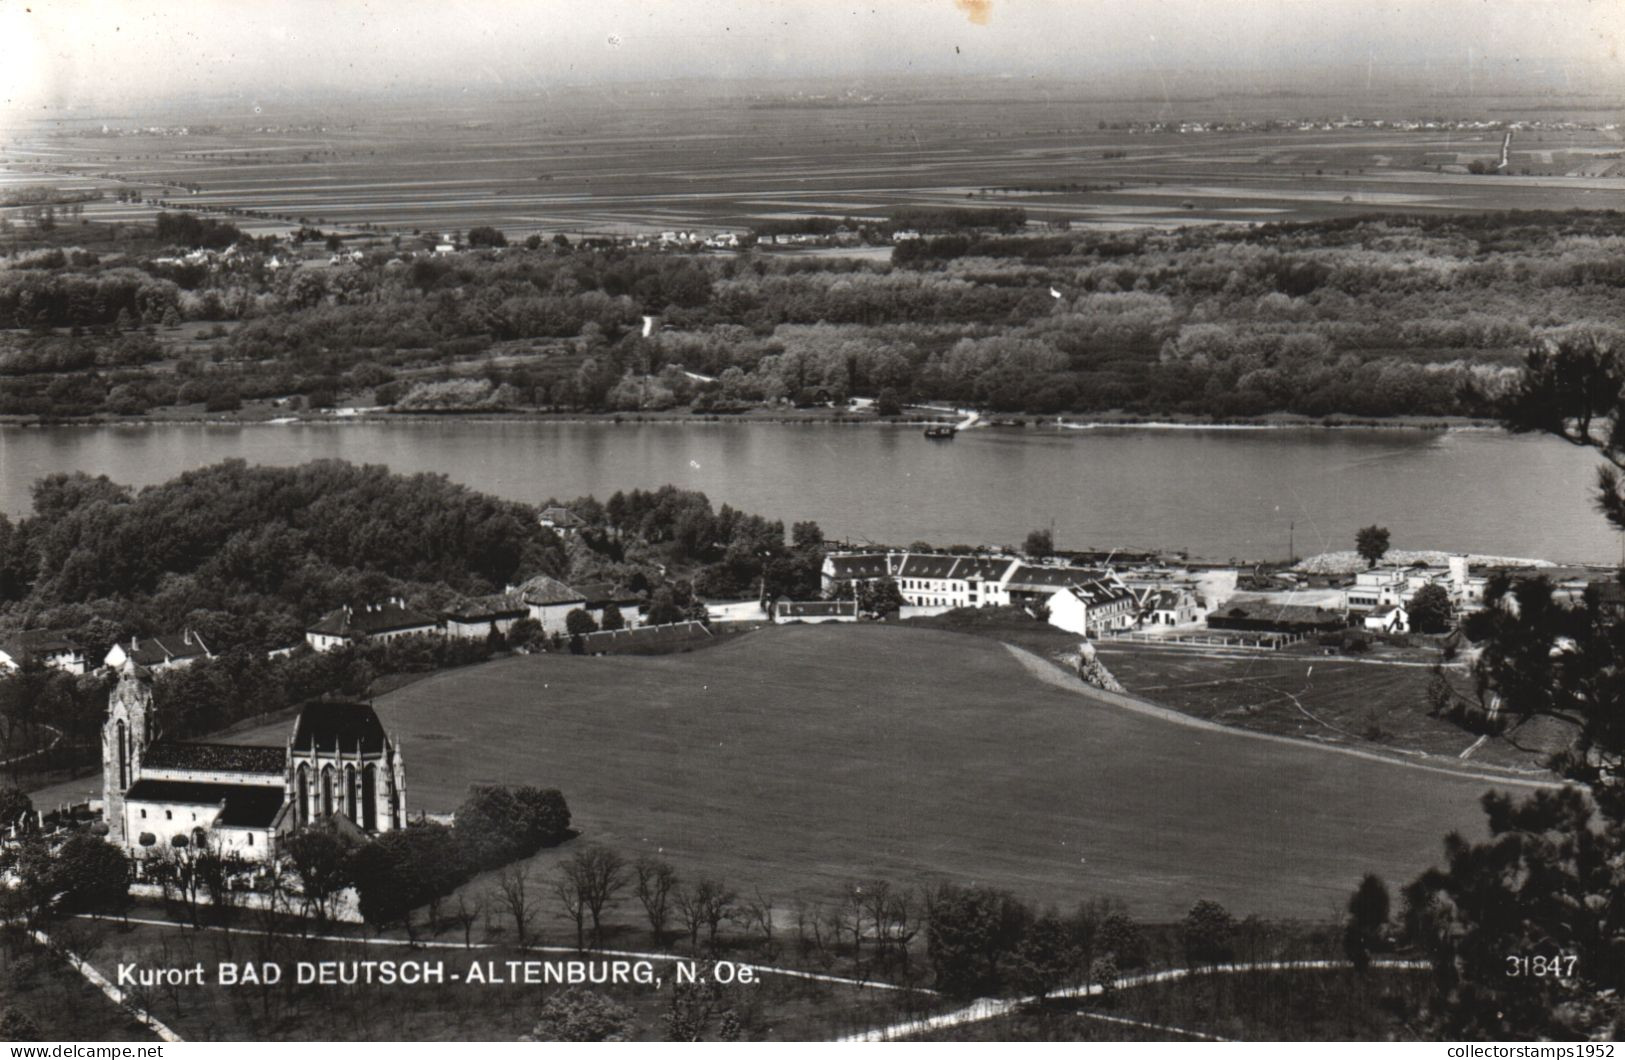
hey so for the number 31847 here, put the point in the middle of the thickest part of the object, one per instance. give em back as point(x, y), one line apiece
point(1559, 967)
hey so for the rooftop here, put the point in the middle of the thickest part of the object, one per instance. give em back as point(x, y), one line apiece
point(242, 805)
point(386, 617)
point(488, 608)
point(153, 651)
point(328, 726)
point(216, 758)
point(544, 591)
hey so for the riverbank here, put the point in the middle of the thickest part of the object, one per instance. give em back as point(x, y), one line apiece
point(268, 415)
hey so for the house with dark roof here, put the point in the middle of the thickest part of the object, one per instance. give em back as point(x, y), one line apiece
point(338, 766)
point(1094, 608)
point(43, 646)
point(385, 621)
point(842, 568)
point(815, 611)
point(166, 652)
point(562, 520)
point(549, 600)
point(1169, 607)
point(1264, 617)
point(938, 581)
point(475, 619)
point(603, 595)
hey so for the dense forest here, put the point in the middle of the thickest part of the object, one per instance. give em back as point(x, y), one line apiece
point(1383, 315)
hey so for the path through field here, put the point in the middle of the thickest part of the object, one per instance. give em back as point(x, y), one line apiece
point(799, 758)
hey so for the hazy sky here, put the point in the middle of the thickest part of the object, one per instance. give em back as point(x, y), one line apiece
point(100, 52)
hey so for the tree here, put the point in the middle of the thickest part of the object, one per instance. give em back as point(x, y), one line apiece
point(1430, 610)
point(1368, 917)
point(613, 618)
point(516, 898)
point(388, 880)
point(807, 537)
point(1047, 957)
point(1207, 932)
point(91, 875)
point(486, 236)
point(17, 1026)
point(14, 802)
point(694, 1006)
point(321, 861)
point(1545, 883)
point(1122, 940)
point(656, 880)
point(596, 875)
point(888, 403)
point(971, 933)
point(579, 623)
point(1371, 543)
point(577, 1015)
point(1040, 544)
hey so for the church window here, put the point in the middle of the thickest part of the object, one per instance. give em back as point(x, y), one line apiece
point(349, 792)
point(369, 798)
point(327, 791)
point(304, 794)
point(123, 758)
point(251, 839)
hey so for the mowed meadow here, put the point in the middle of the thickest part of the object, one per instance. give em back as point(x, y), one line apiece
point(796, 759)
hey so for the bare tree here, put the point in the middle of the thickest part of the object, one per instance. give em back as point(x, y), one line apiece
point(466, 916)
point(875, 896)
point(514, 894)
point(691, 909)
point(655, 881)
point(851, 914)
point(716, 904)
point(756, 914)
point(575, 906)
point(597, 875)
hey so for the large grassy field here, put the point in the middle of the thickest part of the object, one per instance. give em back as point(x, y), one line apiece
point(798, 758)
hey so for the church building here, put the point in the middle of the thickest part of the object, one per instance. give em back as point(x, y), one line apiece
point(338, 762)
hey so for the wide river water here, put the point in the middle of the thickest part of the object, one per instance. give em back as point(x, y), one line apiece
point(1216, 493)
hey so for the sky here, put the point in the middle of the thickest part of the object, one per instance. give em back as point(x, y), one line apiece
point(56, 54)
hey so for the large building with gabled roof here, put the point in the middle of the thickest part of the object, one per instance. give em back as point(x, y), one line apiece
point(338, 765)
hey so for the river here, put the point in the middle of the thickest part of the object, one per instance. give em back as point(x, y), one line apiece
point(1217, 493)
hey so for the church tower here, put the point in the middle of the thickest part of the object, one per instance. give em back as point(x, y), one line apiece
point(125, 737)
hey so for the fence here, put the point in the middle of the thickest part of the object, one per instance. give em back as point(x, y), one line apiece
point(1260, 641)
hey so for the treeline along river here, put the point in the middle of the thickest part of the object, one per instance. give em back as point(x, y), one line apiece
point(1217, 493)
